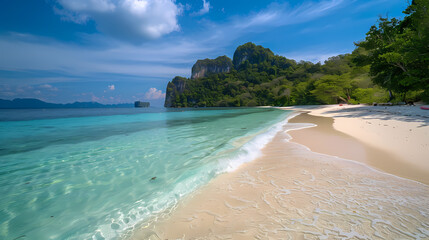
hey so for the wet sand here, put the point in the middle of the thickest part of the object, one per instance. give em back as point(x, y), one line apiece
point(400, 130)
point(294, 193)
point(325, 139)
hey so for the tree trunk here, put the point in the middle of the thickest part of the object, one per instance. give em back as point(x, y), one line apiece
point(342, 99)
point(390, 95)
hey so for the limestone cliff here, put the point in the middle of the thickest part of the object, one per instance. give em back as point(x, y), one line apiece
point(174, 88)
point(255, 77)
point(202, 68)
point(253, 53)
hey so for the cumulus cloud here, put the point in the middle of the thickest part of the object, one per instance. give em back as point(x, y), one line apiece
point(204, 10)
point(154, 94)
point(132, 20)
point(111, 87)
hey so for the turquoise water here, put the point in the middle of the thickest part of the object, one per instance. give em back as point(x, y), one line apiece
point(96, 177)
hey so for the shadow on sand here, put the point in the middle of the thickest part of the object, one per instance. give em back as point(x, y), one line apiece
point(399, 113)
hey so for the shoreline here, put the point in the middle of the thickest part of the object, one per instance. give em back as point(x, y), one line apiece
point(362, 152)
point(388, 142)
point(261, 197)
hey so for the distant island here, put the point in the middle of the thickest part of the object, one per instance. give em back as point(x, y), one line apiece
point(31, 103)
point(389, 65)
point(139, 104)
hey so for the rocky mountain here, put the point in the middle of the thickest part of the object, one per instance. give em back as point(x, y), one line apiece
point(258, 77)
point(210, 76)
point(203, 68)
point(255, 54)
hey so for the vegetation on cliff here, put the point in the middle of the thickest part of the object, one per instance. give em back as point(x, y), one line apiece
point(394, 58)
point(203, 68)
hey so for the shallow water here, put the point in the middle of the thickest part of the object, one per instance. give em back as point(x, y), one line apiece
point(68, 176)
point(294, 193)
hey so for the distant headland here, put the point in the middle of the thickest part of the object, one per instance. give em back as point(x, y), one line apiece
point(258, 77)
point(32, 103)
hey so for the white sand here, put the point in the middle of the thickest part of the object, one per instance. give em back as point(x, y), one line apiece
point(402, 131)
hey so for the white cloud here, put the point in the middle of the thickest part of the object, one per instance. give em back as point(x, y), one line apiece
point(204, 10)
point(28, 91)
point(312, 56)
point(66, 62)
point(188, 6)
point(277, 15)
point(71, 16)
point(95, 98)
point(151, 60)
point(88, 5)
point(48, 87)
point(111, 87)
point(154, 94)
point(131, 20)
point(274, 16)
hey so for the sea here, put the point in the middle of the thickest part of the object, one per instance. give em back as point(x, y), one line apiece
point(101, 173)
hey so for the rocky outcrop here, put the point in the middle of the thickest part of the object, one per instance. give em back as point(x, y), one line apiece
point(222, 82)
point(203, 68)
point(174, 88)
point(139, 104)
point(253, 53)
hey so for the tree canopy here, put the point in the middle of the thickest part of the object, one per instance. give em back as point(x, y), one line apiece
point(398, 51)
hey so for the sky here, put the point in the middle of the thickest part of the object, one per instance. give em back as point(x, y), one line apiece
point(121, 51)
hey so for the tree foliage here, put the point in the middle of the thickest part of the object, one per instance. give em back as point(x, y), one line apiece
point(398, 51)
point(273, 80)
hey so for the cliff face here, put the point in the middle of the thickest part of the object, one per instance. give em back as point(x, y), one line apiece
point(202, 68)
point(174, 88)
point(255, 54)
point(245, 81)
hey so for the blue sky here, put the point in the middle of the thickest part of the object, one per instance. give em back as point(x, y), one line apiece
point(116, 51)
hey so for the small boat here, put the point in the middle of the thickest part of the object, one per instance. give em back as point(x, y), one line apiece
point(424, 107)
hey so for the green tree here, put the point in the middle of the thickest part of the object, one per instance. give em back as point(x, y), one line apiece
point(331, 89)
point(398, 51)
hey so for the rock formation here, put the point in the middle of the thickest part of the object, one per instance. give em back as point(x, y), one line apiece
point(202, 68)
point(222, 82)
point(139, 104)
point(253, 53)
point(174, 88)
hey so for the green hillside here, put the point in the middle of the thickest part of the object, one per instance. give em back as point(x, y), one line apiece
point(391, 64)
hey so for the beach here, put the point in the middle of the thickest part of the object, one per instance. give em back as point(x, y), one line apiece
point(381, 137)
point(332, 172)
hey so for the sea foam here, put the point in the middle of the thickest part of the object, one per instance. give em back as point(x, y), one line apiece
point(252, 149)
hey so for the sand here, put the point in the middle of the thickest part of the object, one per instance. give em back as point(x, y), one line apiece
point(399, 133)
point(324, 139)
point(292, 192)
